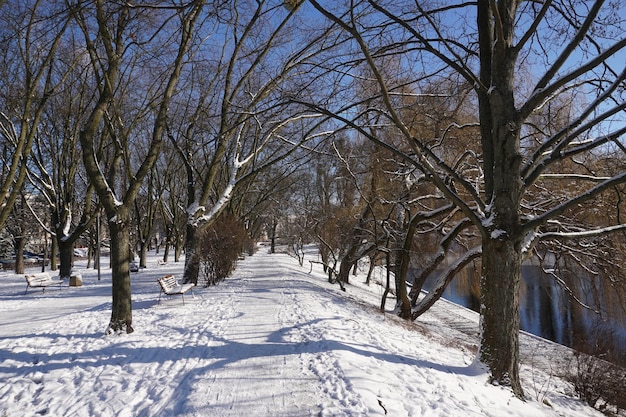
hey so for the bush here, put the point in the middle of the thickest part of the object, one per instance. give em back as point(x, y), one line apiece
point(599, 383)
point(221, 246)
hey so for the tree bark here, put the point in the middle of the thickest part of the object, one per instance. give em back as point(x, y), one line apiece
point(371, 267)
point(346, 264)
point(442, 282)
point(66, 256)
point(404, 299)
point(502, 252)
point(499, 311)
point(143, 253)
point(19, 243)
point(501, 232)
point(53, 254)
point(273, 237)
point(121, 313)
point(403, 258)
point(192, 258)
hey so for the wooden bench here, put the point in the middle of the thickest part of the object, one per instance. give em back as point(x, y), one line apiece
point(170, 286)
point(41, 280)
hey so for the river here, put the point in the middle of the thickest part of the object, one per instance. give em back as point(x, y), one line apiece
point(550, 311)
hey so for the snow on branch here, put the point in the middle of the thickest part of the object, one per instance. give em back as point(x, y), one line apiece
point(582, 233)
point(7, 129)
point(195, 209)
point(568, 290)
point(564, 145)
point(543, 87)
point(567, 176)
point(442, 281)
point(587, 195)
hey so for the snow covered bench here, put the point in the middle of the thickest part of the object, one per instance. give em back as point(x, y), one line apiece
point(41, 280)
point(170, 286)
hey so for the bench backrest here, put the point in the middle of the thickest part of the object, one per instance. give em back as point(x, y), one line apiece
point(34, 279)
point(168, 282)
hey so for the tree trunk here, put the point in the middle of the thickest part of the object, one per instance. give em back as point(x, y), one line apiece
point(273, 237)
point(502, 240)
point(371, 267)
point(178, 250)
point(192, 258)
point(143, 253)
point(166, 252)
point(499, 311)
point(383, 300)
point(347, 263)
point(44, 251)
point(64, 244)
point(18, 246)
point(404, 300)
point(324, 254)
point(442, 282)
point(167, 244)
point(91, 252)
point(501, 263)
point(53, 254)
point(401, 251)
point(121, 313)
point(66, 256)
point(501, 233)
point(403, 258)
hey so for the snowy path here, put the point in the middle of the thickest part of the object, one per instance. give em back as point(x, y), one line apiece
point(273, 340)
point(257, 365)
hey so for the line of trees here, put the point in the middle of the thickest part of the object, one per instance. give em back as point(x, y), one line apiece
point(427, 132)
point(499, 56)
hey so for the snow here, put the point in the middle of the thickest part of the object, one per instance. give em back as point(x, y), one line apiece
point(273, 340)
point(497, 234)
point(529, 239)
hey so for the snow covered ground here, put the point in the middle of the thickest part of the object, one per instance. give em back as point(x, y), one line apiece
point(273, 340)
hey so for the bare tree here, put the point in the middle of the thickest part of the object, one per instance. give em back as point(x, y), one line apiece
point(172, 205)
point(123, 33)
point(56, 169)
point(234, 117)
point(31, 33)
point(146, 209)
point(18, 227)
point(490, 45)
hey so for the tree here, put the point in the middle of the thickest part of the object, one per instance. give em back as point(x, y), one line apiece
point(230, 121)
point(18, 227)
point(56, 170)
point(172, 204)
point(490, 45)
point(116, 37)
point(145, 215)
point(30, 36)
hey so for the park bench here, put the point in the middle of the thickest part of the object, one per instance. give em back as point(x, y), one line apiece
point(41, 280)
point(170, 286)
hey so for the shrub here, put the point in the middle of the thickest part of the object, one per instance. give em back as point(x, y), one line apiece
point(599, 383)
point(221, 246)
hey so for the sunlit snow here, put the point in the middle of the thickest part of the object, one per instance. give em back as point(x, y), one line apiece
point(273, 340)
